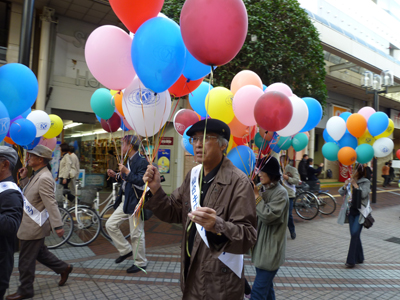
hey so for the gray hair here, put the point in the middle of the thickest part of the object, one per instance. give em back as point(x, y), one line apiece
point(223, 142)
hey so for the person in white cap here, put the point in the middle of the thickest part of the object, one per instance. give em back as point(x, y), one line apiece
point(11, 204)
point(41, 214)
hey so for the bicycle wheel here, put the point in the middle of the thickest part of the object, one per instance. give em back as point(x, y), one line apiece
point(327, 204)
point(53, 241)
point(86, 226)
point(124, 226)
point(306, 205)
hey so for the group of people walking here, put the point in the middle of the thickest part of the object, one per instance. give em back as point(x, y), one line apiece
point(221, 221)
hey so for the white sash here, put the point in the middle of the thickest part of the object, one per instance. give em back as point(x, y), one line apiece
point(37, 216)
point(232, 261)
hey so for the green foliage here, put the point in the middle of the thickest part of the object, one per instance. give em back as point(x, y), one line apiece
point(287, 49)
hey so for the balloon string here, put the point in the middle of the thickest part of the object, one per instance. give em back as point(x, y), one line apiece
point(112, 138)
point(259, 156)
point(247, 173)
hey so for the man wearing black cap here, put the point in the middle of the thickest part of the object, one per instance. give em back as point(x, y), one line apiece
point(131, 177)
point(11, 204)
point(215, 204)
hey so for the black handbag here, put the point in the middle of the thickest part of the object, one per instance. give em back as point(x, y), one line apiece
point(369, 221)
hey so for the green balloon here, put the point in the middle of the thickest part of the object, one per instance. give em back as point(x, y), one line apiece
point(259, 141)
point(299, 141)
point(330, 151)
point(284, 142)
point(365, 153)
point(102, 103)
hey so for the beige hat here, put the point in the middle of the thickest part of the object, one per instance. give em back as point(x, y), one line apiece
point(42, 151)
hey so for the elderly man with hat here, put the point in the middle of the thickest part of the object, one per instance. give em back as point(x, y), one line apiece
point(11, 206)
point(215, 204)
point(41, 214)
point(131, 177)
point(272, 205)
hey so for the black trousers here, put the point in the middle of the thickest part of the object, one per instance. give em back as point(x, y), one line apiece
point(70, 197)
point(30, 252)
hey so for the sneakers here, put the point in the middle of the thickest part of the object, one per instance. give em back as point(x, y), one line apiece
point(349, 266)
point(293, 235)
point(135, 269)
point(122, 258)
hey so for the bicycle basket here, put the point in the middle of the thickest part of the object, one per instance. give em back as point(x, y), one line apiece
point(303, 187)
point(87, 195)
point(59, 194)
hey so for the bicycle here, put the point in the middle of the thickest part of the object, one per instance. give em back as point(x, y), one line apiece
point(305, 203)
point(326, 202)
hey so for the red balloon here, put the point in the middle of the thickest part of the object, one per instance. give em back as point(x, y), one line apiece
point(214, 30)
point(112, 124)
point(183, 87)
point(273, 111)
point(183, 119)
point(238, 140)
point(134, 13)
point(398, 154)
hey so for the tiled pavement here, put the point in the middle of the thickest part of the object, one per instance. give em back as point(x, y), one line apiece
point(314, 268)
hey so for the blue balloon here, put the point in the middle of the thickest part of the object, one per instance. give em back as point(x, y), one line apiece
point(345, 115)
point(273, 143)
point(22, 132)
point(98, 118)
point(194, 69)
point(158, 53)
point(26, 113)
point(198, 97)
point(327, 137)
point(18, 88)
point(243, 158)
point(264, 87)
point(4, 121)
point(32, 145)
point(348, 141)
point(377, 123)
point(314, 113)
point(186, 143)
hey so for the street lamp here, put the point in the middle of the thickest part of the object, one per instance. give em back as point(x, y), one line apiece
point(373, 84)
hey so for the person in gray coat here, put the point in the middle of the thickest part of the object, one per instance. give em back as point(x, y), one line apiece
point(272, 207)
point(356, 215)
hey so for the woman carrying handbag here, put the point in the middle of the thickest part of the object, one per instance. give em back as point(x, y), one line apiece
point(359, 207)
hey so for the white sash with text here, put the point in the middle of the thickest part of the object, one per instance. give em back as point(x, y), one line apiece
point(232, 261)
point(37, 216)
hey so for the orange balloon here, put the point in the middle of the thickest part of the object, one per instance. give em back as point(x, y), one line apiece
point(356, 124)
point(9, 140)
point(267, 136)
point(182, 87)
point(243, 78)
point(237, 129)
point(118, 102)
point(347, 156)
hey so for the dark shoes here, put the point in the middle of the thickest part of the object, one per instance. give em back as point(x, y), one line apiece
point(17, 296)
point(349, 266)
point(64, 275)
point(122, 258)
point(135, 269)
point(293, 235)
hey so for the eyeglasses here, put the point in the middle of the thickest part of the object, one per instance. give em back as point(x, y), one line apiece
point(195, 139)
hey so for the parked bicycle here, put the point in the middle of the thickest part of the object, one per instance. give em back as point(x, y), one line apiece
point(310, 200)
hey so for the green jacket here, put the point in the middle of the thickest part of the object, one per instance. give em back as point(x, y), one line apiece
point(272, 214)
point(294, 179)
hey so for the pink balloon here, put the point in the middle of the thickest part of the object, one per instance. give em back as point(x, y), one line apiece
point(108, 56)
point(183, 119)
point(214, 30)
point(125, 121)
point(243, 104)
point(49, 143)
point(280, 87)
point(366, 112)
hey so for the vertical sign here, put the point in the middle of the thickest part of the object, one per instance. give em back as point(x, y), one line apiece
point(395, 116)
point(164, 156)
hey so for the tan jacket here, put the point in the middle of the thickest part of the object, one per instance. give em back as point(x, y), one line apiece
point(65, 167)
point(40, 193)
point(74, 165)
point(232, 197)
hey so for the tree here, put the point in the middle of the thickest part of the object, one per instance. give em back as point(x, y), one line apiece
point(282, 45)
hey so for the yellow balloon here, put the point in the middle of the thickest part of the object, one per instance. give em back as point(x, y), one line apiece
point(388, 131)
point(230, 145)
point(56, 127)
point(366, 138)
point(113, 92)
point(219, 104)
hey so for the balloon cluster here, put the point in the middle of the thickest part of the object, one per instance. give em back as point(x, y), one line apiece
point(273, 116)
point(159, 58)
point(18, 124)
point(358, 137)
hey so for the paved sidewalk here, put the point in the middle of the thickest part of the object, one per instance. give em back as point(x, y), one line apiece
point(314, 268)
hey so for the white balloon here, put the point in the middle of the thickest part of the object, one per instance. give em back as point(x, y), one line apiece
point(299, 118)
point(336, 127)
point(383, 147)
point(145, 110)
point(41, 120)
